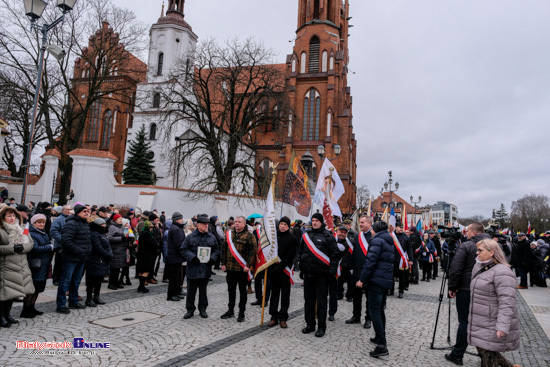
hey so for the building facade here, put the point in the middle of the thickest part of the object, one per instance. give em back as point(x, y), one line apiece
point(443, 213)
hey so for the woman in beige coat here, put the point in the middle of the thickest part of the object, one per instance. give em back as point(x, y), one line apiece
point(493, 325)
point(15, 274)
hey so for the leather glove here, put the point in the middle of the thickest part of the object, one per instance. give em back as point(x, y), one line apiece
point(211, 262)
point(18, 248)
point(195, 261)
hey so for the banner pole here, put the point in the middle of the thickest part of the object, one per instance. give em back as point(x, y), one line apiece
point(263, 298)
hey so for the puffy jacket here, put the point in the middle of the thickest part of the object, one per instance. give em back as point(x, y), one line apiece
point(101, 255)
point(460, 272)
point(493, 308)
point(75, 239)
point(176, 236)
point(42, 250)
point(57, 228)
point(325, 242)
point(147, 251)
point(119, 245)
point(378, 268)
point(189, 250)
point(15, 274)
point(358, 257)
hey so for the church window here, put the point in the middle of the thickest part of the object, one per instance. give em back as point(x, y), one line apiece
point(115, 71)
point(314, 45)
point(106, 133)
point(324, 62)
point(293, 65)
point(153, 132)
point(312, 112)
point(329, 123)
point(83, 73)
point(160, 63)
point(93, 128)
point(290, 125)
point(316, 9)
point(303, 63)
point(331, 63)
point(156, 100)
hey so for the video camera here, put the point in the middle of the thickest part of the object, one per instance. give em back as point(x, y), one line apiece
point(495, 233)
point(450, 232)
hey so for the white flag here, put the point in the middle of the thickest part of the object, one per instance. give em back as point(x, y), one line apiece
point(336, 188)
point(267, 248)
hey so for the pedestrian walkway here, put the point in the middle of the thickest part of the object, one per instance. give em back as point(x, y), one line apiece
point(156, 334)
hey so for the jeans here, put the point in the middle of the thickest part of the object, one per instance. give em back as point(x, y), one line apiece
point(463, 310)
point(71, 275)
point(377, 303)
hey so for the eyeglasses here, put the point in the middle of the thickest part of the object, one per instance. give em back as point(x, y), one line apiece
point(480, 250)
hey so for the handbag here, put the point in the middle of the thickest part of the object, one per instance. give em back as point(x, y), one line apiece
point(35, 263)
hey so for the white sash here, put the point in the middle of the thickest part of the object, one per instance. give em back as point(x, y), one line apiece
point(236, 254)
point(363, 243)
point(315, 251)
point(404, 261)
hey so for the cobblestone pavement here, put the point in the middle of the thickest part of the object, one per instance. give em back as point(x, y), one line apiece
point(171, 341)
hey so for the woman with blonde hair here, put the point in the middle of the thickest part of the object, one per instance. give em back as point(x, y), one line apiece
point(493, 325)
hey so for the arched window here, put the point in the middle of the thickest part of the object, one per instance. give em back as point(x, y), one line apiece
point(115, 71)
point(331, 63)
point(312, 112)
point(324, 62)
point(303, 63)
point(329, 122)
point(293, 64)
point(156, 100)
point(95, 116)
point(153, 132)
point(107, 125)
point(160, 63)
point(384, 205)
point(83, 73)
point(290, 125)
point(316, 9)
point(314, 45)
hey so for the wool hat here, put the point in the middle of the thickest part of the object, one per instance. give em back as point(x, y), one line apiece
point(58, 209)
point(116, 216)
point(22, 208)
point(203, 218)
point(45, 205)
point(286, 220)
point(153, 216)
point(78, 208)
point(35, 218)
point(177, 216)
point(380, 226)
point(99, 221)
point(319, 217)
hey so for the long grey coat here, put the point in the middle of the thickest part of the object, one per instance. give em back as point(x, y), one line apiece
point(15, 274)
point(493, 308)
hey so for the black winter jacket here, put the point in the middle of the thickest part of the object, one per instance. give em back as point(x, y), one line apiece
point(416, 242)
point(287, 246)
point(310, 265)
point(75, 239)
point(405, 245)
point(101, 255)
point(176, 236)
point(460, 272)
point(189, 250)
point(42, 250)
point(358, 258)
point(378, 269)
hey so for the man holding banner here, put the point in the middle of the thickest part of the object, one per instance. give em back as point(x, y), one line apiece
point(318, 263)
point(402, 259)
point(238, 256)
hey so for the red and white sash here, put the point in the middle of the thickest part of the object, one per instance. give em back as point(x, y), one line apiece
point(315, 251)
point(350, 245)
point(404, 261)
point(236, 254)
point(290, 272)
point(363, 243)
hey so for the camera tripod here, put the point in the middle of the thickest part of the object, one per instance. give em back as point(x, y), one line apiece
point(441, 294)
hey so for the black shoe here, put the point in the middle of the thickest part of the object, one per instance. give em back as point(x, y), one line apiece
point(391, 293)
point(77, 306)
point(340, 297)
point(320, 333)
point(56, 283)
point(379, 352)
point(174, 298)
point(90, 303)
point(227, 315)
point(63, 310)
point(423, 279)
point(120, 286)
point(36, 312)
point(203, 314)
point(165, 281)
point(367, 324)
point(182, 294)
point(400, 295)
point(373, 341)
point(453, 359)
point(27, 313)
point(428, 280)
point(308, 329)
point(188, 315)
point(331, 318)
point(406, 288)
point(113, 287)
point(98, 301)
point(256, 303)
point(353, 320)
point(142, 290)
point(241, 317)
point(128, 282)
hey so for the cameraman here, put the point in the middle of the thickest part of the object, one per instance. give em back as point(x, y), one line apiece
point(460, 275)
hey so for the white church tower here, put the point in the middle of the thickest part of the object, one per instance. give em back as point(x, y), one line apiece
point(171, 40)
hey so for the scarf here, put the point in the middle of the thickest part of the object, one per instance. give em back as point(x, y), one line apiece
point(15, 233)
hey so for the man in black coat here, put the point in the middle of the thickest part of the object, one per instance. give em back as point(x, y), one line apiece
point(402, 274)
point(378, 274)
point(77, 245)
point(174, 258)
point(437, 243)
point(460, 276)
point(318, 262)
point(416, 242)
point(287, 245)
point(358, 261)
point(343, 249)
point(347, 264)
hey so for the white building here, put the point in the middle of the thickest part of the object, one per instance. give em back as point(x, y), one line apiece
point(443, 213)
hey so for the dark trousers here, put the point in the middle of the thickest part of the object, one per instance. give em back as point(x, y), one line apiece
point(533, 275)
point(332, 295)
point(434, 270)
point(192, 286)
point(174, 279)
point(416, 271)
point(345, 278)
point(377, 303)
point(463, 310)
point(233, 279)
point(403, 277)
point(358, 294)
point(93, 286)
point(113, 276)
point(57, 266)
point(280, 287)
point(426, 270)
point(316, 292)
point(259, 288)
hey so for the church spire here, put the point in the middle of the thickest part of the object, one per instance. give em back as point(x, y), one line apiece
point(176, 6)
point(162, 11)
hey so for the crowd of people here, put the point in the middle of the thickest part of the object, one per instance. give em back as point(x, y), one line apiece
point(104, 243)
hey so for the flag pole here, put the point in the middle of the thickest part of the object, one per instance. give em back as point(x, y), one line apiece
point(272, 186)
point(263, 298)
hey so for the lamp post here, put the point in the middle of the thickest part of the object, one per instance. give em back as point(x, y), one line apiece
point(388, 184)
point(34, 10)
point(415, 203)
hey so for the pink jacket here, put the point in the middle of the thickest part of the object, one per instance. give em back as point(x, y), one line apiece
point(493, 308)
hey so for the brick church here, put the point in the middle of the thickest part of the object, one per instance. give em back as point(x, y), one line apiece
point(319, 95)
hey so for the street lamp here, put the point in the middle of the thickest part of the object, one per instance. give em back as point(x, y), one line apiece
point(34, 10)
point(321, 151)
point(388, 184)
point(415, 205)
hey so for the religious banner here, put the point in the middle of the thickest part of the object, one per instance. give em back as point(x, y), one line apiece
point(267, 246)
point(329, 182)
point(296, 192)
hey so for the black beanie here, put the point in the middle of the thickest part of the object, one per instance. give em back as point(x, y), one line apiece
point(319, 217)
point(78, 208)
point(286, 220)
point(380, 226)
point(152, 217)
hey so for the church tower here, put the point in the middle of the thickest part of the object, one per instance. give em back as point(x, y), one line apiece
point(317, 73)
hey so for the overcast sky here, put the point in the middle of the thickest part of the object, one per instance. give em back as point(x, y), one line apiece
point(452, 96)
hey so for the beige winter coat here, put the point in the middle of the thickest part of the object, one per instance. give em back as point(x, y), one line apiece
point(493, 308)
point(15, 274)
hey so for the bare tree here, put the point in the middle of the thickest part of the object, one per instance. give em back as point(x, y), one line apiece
point(222, 95)
point(362, 197)
point(534, 209)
